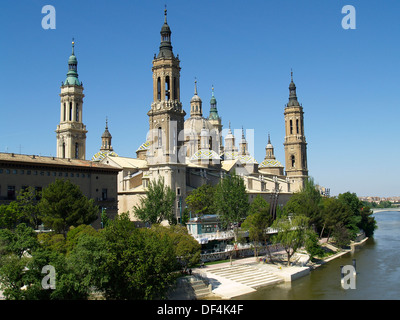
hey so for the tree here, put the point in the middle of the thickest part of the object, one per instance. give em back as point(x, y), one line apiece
point(158, 204)
point(231, 201)
point(63, 205)
point(335, 212)
point(187, 249)
point(306, 202)
point(292, 233)
point(361, 215)
point(140, 263)
point(257, 222)
point(201, 200)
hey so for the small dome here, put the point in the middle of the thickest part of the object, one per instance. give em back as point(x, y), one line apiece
point(195, 98)
point(197, 124)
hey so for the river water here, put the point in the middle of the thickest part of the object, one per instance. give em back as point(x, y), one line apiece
point(377, 266)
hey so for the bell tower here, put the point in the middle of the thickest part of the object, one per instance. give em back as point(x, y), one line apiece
point(71, 132)
point(166, 116)
point(295, 140)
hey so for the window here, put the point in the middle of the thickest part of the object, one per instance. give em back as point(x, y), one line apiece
point(104, 194)
point(77, 113)
point(178, 191)
point(293, 160)
point(65, 111)
point(167, 88)
point(291, 127)
point(76, 150)
point(63, 150)
point(297, 126)
point(159, 139)
point(11, 192)
point(22, 171)
point(158, 89)
point(175, 89)
point(70, 111)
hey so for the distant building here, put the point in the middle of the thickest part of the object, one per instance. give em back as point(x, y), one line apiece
point(96, 181)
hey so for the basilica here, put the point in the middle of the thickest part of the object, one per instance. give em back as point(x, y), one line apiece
point(187, 150)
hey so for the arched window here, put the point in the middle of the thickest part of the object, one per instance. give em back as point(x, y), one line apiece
point(76, 150)
point(159, 137)
point(297, 126)
point(291, 126)
point(77, 113)
point(70, 111)
point(175, 89)
point(158, 89)
point(63, 150)
point(167, 88)
point(293, 160)
point(65, 111)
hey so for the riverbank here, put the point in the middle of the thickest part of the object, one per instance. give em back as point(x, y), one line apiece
point(231, 280)
point(377, 210)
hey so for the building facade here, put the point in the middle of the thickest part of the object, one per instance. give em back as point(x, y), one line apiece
point(190, 152)
point(96, 181)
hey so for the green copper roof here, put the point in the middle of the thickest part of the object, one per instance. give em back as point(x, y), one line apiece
point(72, 75)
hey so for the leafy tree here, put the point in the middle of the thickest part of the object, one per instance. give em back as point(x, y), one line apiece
point(335, 212)
point(361, 215)
point(158, 204)
point(292, 233)
point(231, 201)
point(187, 249)
point(140, 263)
point(201, 200)
point(306, 202)
point(312, 245)
point(19, 241)
point(63, 205)
point(75, 233)
point(257, 222)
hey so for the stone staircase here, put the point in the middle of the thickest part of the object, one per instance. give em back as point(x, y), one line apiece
point(200, 287)
point(248, 275)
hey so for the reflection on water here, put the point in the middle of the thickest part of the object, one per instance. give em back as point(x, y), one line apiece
point(378, 271)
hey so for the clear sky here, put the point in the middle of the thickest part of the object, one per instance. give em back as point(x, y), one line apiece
point(347, 80)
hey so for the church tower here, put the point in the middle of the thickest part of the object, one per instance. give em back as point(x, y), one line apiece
point(166, 116)
point(71, 132)
point(295, 140)
point(216, 121)
point(106, 140)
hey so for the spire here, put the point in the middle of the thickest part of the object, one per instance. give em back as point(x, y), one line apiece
point(269, 150)
point(196, 103)
point(195, 86)
point(292, 92)
point(72, 75)
point(165, 46)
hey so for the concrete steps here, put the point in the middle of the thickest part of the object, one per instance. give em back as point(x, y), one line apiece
point(247, 275)
point(200, 288)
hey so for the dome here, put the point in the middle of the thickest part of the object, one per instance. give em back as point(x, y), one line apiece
point(196, 124)
point(195, 98)
point(72, 59)
point(205, 155)
point(102, 154)
point(267, 163)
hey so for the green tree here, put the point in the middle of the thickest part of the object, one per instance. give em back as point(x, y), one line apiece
point(63, 205)
point(187, 249)
point(307, 202)
point(361, 216)
point(201, 200)
point(231, 201)
point(257, 222)
point(292, 233)
point(158, 203)
point(140, 263)
point(335, 213)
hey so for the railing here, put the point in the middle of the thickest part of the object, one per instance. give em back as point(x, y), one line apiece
point(243, 250)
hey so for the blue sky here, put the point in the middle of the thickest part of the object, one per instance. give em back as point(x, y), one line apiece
point(347, 80)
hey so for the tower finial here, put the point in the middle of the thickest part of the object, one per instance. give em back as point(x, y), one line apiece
point(73, 45)
point(165, 14)
point(291, 74)
point(195, 86)
point(269, 139)
point(106, 122)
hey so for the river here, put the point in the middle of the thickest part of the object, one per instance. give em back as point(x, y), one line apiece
point(377, 266)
